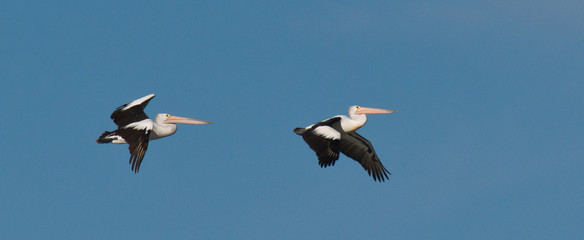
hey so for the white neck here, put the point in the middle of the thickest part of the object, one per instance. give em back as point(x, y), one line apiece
point(353, 122)
point(161, 130)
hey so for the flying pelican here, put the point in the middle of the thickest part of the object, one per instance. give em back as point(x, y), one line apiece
point(336, 134)
point(136, 129)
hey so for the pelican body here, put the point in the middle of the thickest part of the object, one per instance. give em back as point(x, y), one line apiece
point(337, 134)
point(136, 129)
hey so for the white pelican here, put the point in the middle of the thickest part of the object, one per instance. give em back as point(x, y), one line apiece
point(336, 134)
point(136, 129)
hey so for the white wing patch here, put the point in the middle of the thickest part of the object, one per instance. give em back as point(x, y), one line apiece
point(138, 101)
point(327, 132)
point(146, 124)
point(119, 140)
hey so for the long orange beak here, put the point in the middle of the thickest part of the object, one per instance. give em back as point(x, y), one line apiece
point(366, 110)
point(177, 119)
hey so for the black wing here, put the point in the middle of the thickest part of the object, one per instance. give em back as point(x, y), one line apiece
point(360, 149)
point(123, 117)
point(326, 149)
point(138, 144)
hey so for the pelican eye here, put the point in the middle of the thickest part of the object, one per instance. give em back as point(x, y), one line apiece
point(167, 115)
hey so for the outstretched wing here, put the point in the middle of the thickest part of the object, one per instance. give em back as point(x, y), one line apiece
point(137, 140)
point(131, 112)
point(360, 149)
point(324, 140)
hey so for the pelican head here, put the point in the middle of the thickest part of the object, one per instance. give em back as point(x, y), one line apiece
point(165, 118)
point(358, 110)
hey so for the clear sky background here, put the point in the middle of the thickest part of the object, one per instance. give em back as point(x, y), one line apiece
point(487, 143)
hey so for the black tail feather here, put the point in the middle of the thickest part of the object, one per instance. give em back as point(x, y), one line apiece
point(104, 138)
point(299, 131)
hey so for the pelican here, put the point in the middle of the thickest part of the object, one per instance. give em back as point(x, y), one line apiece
point(337, 134)
point(136, 129)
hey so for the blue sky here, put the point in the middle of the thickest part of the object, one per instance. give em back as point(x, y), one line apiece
point(487, 143)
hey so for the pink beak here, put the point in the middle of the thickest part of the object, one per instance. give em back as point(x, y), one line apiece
point(366, 110)
point(177, 119)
